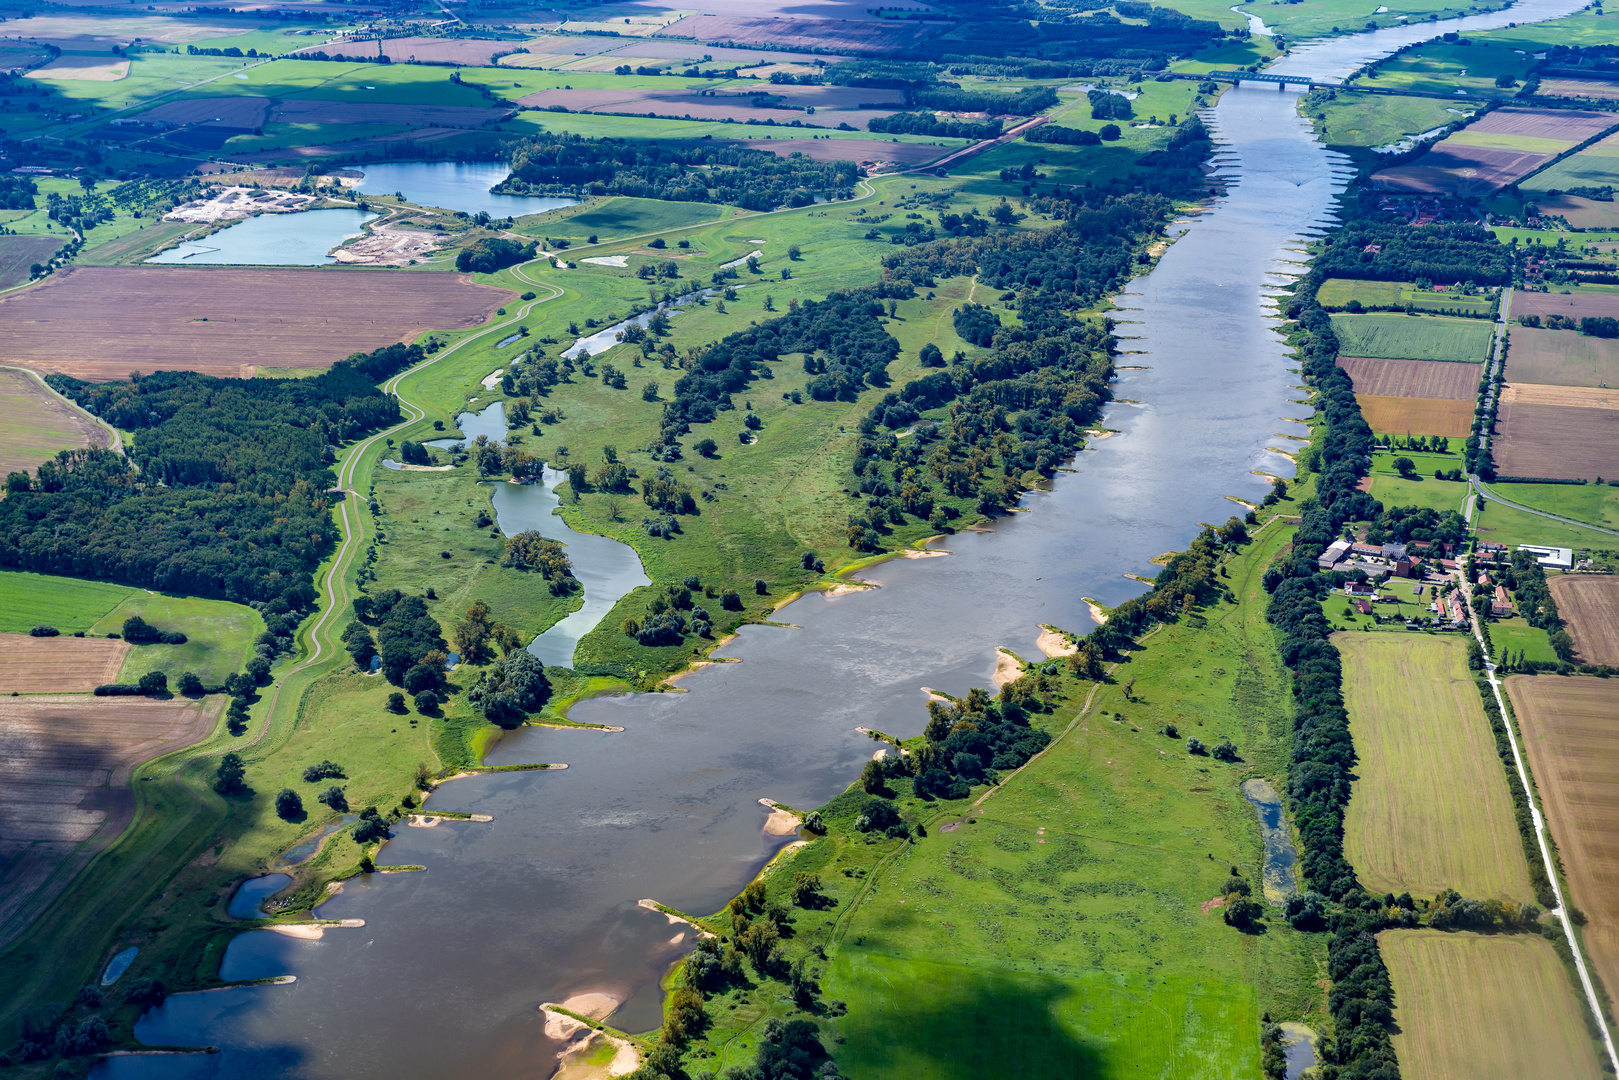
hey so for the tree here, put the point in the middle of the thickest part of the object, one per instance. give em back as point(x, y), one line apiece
point(473, 634)
point(515, 687)
point(794, 252)
point(396, 702)
point(872, 780)
point(288, 806)
point(190, 684)
point(334, 798)
point(427, 702)
point(806, 891)
point(759, 586)
point(1225, 750)
point(154, 683)
point(730, 601)
point(1109, 133)
point(228, 777)
point(931, 355)
point(706, 447)
point(1194, 745)
point(1405, 467)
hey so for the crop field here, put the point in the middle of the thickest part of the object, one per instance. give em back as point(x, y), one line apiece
point(1560, 442)
point(226, 321)
point(428, 50)
point(1578, 397)
point(842, 35)
point(1570, 305)
point(1336, 293)
point(621, 215)
point(1417, 416)
point(58, 665)
point(1599, 89)
point(71, 605)
point(66, 765)
point(1571, 734)
point(1562, 357)
point(866, 152)
point(1430, 810)
point(1595, 166)
point(1566, 126)
point(636, 101)
point(1453, 168)
point(18, 253)
point(35, 424)
point(1581, 213)
point(1411, 378)
point(1407, 337)
point(1589, 606)
point(1484, 1008)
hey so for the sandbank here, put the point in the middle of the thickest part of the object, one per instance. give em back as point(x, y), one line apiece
point(314, 931)
point(934, 695)
point(1097, 612)
point(674, 919)
point(844, 588)
point(1054, 642)
point(1007, 667)
point(781, 822)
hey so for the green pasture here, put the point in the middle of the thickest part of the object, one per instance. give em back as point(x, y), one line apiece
point(152, 75)
point(621, 215)
point(1408, 337)
point(1595, 166)
point(1390, 489)
point(1320, 18)
point(1160, 99)
point(394, 84)
point(1347, 118)
point(1230, 54)
point(1515, 634)
point(284, 136)
point(1597, 504)
point(913, 1017)
point(601, 125)
point(69, 604)
point(133, 246)
point(1338, 292)
point(1342, 614)
point(219, 634)
point(1510, 526)
point(1444, 67)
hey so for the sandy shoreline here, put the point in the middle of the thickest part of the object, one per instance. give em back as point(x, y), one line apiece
point(315, 931)
point(780, 822)
point(1007, 667)
point(579, 1039)
point(1096, 610)
point(1054, 642)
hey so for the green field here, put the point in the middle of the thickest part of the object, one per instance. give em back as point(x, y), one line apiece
point(1319, 18)
point(1346, 118)
point(1597, 504)
point(1445, 67)
point(1595, 166)
point(1430, 810)
point(1510, 526)
point(69, 604)
point(1516, 635)
point(1407, 337)
point(1485, 1007)
point(1389, 488)
point(1336, 293)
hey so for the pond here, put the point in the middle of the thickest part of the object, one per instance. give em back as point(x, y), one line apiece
point(490, 421)
point(248, 899)
point(606, 568)
point(301, 239)
point(1281, 873)
point(455, 185)
point(299, 852)
point(118, 965)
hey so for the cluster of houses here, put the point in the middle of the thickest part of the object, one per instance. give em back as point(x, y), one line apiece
point(1419, 561)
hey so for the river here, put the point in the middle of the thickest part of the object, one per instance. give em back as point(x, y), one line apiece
point(445, 977)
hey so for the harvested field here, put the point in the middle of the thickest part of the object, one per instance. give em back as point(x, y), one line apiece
point(1411, 378)
point(1474, 1007)
point(1451, 168)
point(1589, 605)
point(1430, 810)
point(354, 147)
point(308, 111)
point(1556, 441)
point(1562, 357)
point(236, 112)
point(18, 253)
point(58, 665)
point(847, 36)
point(226, 321)
point(861, 151)
point(35, 424)
point(1580, 88)
point(1571, 734)
point(719, 56)
point(71, 68)
point(637, 101)
point(65, 765)
point(1579, 397)
point(1422, 337)
point(1417, 416)
point(1570, 305)
point(1581, 213)
point(1570, 126)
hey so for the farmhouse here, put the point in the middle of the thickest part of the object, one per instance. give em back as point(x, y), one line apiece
point(1357, 588)
point(1501, 606)
point(1335, 551)
point(1550, 557)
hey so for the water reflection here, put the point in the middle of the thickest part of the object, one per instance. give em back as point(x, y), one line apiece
point(301, 239)
point(455, 185)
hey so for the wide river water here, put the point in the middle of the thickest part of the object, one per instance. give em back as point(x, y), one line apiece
point(445, 977)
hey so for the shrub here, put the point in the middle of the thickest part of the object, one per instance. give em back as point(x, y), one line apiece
point(759, 586)
point(1194, 745)
point(396, 702)
point(1225, 750)
point(191, 685)
point(228, 777)
point(515, 687)
point(44, 631)
point(876, 814)
point(370, 827)
point(730, 601)
point(334, 798)
point(706, 447)
point(288, 805)
point(326, 770)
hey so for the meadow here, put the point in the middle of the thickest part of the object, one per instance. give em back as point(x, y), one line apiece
point(1347, 118)
point(19, 253)
point(1515, 635)
point(35, 423)
point(1337, 293)
point(1389, 488)
point(1484, 1007)
point(1507, 525)
point(1407, 337)
point(1572, 743)
point(71, 605)
point(1430, 810)
point(1595, 166)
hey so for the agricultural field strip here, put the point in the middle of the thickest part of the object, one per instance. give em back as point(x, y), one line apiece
point(58, 665)
point(1589, 605)
point(1574, 397)
point(1539, 820)
point(59, 133)
point(1557, 441)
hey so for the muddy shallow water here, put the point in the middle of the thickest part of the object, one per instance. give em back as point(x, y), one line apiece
point(539, 904)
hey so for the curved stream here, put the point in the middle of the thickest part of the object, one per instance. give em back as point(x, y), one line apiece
point(445, 977)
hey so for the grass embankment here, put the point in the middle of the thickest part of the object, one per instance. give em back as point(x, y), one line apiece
point(1037, 935)
point(1484, 1007)
point(1430, 810)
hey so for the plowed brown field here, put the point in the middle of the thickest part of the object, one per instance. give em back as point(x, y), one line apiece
point(1589, 605)
point(1563, 357)
point(1413, 378)
point(1419, 416)
point(1571, 732)
point(1557, 441)
point(58, 665)
point(226, 321)
point(1573, 305)
point(65, 765)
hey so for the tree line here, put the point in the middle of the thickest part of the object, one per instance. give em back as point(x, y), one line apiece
point(1393, 251)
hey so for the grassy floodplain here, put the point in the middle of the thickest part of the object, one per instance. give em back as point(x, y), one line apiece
point(1408, 337)
point(1056, 925)
point(1484, 1007)
point(1431, 810)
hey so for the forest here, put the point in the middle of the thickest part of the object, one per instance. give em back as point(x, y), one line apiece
point(1392, 251)
point(228, 496)
point(704, 172)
